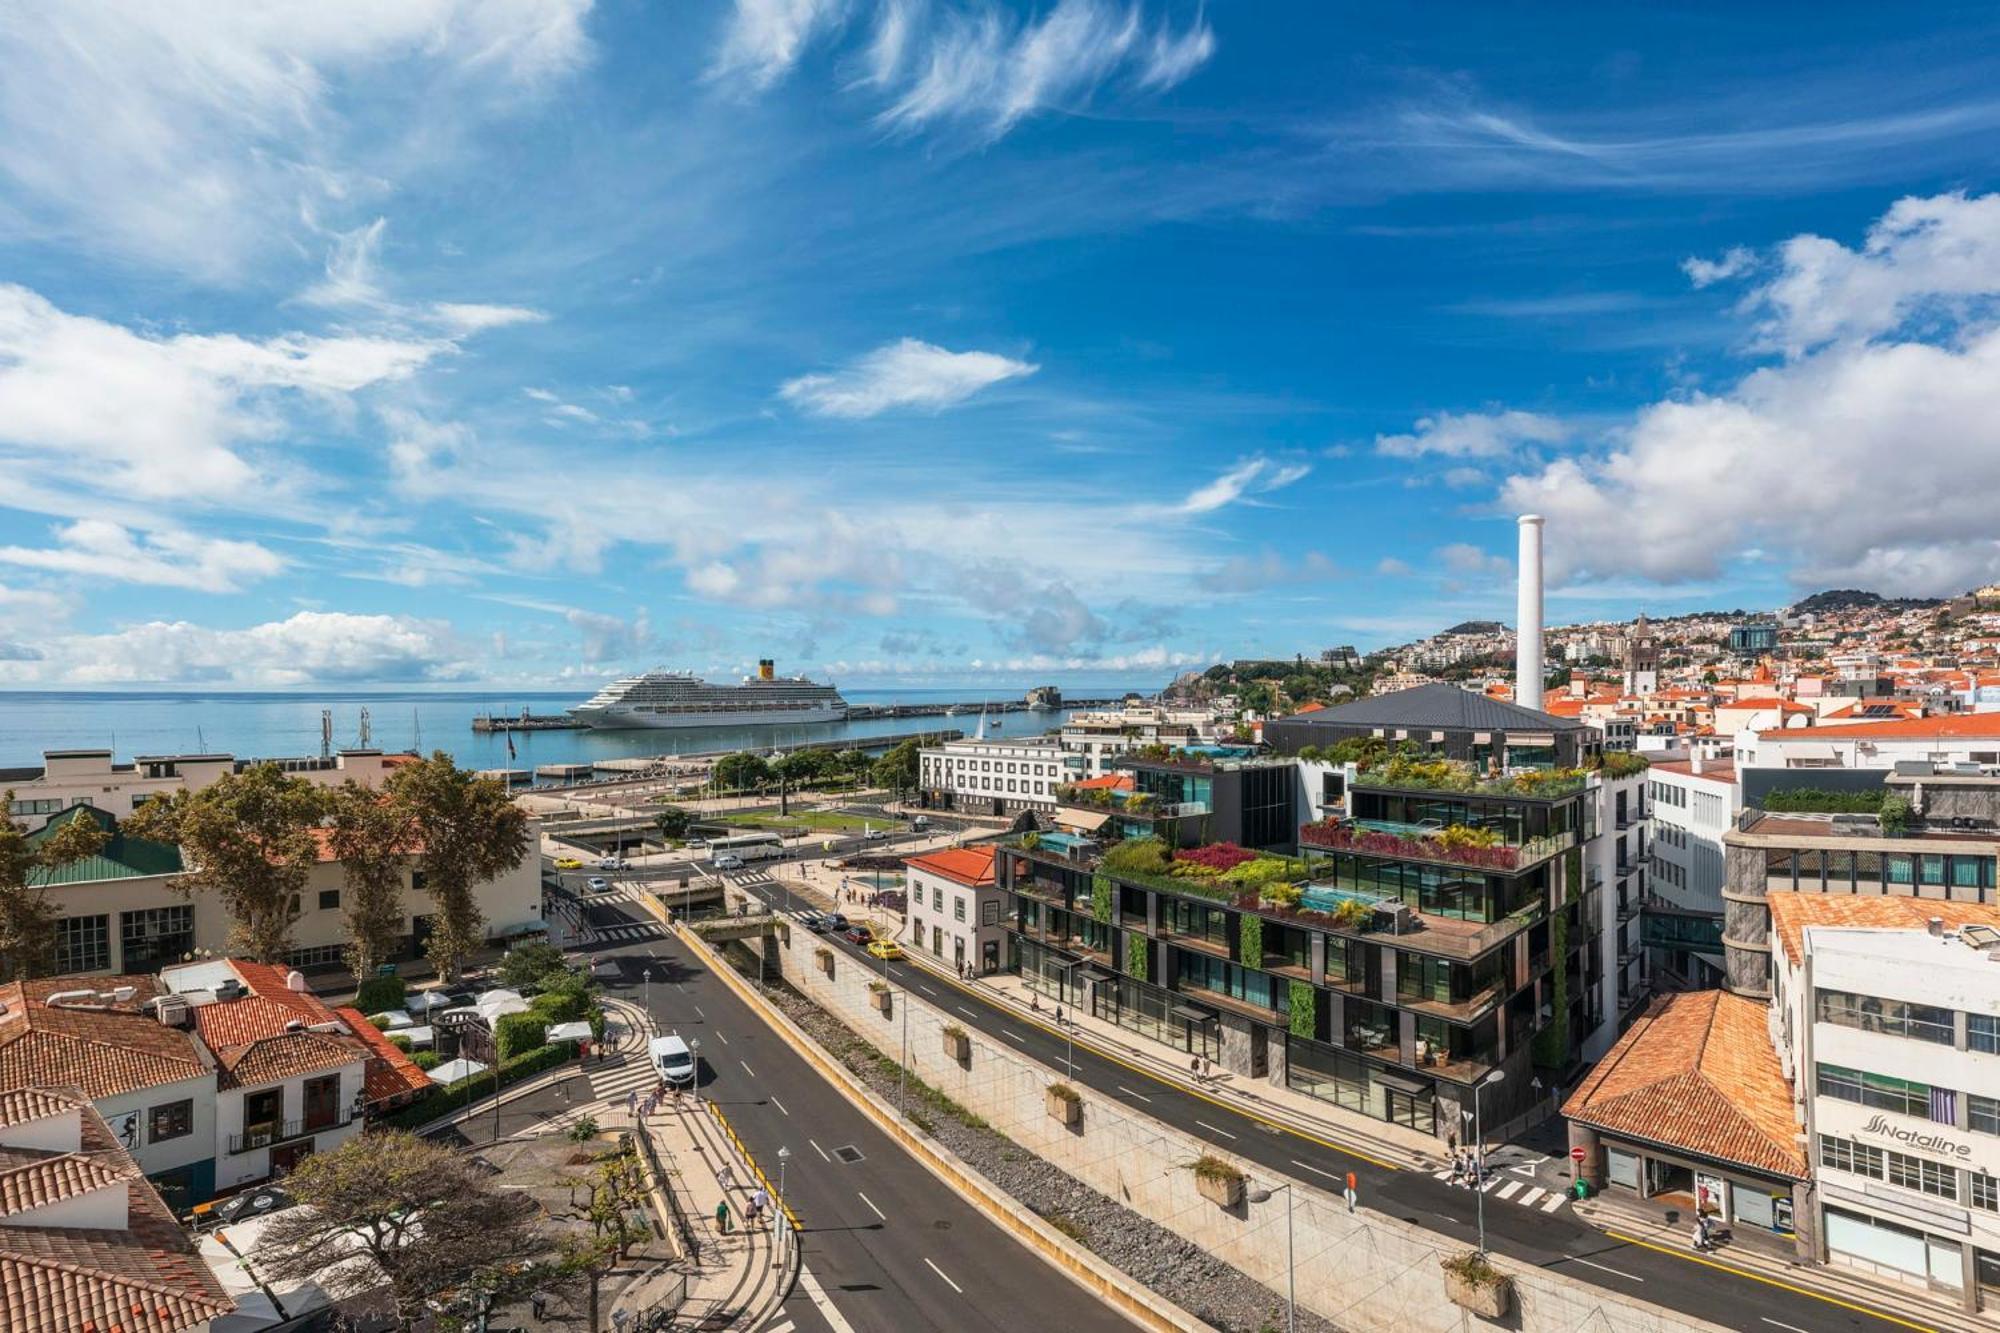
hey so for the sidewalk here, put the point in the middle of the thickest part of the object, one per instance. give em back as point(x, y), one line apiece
point(1773, 1259)
point(1373, 1139)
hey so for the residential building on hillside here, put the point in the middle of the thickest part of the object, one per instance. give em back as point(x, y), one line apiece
point(1693, 802)
point(955, 906)
point(85, 1242)
point(92, 777)
point(994, 777)
point(1101, 737)
point(1886, 1017)
point(119, 914)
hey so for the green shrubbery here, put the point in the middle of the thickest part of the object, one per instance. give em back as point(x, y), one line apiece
point(1818, 801)
point(381, 994)
point(443, 1101)
point(517, 1034)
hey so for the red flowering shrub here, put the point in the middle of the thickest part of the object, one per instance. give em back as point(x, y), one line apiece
point(1217, 857)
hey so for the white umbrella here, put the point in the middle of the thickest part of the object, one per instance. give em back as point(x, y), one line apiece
point(495, 1004)
point(454, 1071)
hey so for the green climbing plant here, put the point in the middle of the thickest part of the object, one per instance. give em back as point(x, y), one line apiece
point(1551, 1050)
point(1305, 1009)
point(1138, 955)
point(1101, 897)
point(1572, 874)
point(1250, 940)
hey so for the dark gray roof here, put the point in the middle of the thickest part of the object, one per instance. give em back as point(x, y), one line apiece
point(1440, 707)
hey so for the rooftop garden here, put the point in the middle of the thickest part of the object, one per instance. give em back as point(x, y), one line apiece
point(1460, 844)
point(1423, 773)
point(1245, 879)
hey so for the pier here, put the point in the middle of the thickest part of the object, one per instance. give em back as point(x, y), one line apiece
point(525, 721)
point(486, 723)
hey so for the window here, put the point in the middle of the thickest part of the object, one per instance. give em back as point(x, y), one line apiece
point(1982, 1113)
point(1933, 1178)
point(1982, 1033)
point(83, 944)
point(1876, 1090)
point(39, 807)
point(1985, 1191)
point(937, 898)
point(175, 1120)
point(958, 907)
point(1847, 1155)
point(322, 1102)
point(1921, 1022)
point(319, 955)
point(329, 899)
point(153, 936)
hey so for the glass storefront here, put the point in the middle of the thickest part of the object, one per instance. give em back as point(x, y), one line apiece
point(1354, 1084)
point(1157, 1015)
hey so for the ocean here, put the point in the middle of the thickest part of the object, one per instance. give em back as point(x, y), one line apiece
point(273, 725)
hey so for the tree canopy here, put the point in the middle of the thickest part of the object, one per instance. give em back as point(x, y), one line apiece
point(371, 835)
point(897, 770)
point(469, 831)
point(742, 771)
point(674, 821)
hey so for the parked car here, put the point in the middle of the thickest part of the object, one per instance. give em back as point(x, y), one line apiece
point(859, 934)
point(729, 861)
point(612, 863)
point(885, 949)
point(811, 919)
point(920, 823)
point(672, 1058)
point(597, 884)
point(874, 835)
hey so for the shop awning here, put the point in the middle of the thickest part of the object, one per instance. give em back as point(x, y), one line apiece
point(1084, 821)
point(1414, 1087)
point(1192, 1015)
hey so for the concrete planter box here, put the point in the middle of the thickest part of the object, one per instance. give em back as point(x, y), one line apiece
point(1489, 1299)
point(824, 957)
point(1065, 1107)
point(881, 999)
point(1222, 1191)
point(958, 1045)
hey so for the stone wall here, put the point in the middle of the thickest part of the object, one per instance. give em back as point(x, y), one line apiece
point(1361, 1270)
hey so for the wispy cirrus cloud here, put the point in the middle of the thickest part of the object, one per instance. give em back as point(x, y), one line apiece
point(907, 373)
point(1482, 435)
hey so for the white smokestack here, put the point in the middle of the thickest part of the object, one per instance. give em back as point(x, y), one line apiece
point(1528, 616)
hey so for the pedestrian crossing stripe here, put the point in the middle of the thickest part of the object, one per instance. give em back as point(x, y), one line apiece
point(1532, 1196)
point(636, 931)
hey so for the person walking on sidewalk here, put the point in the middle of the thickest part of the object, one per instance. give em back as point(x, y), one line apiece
point(759, 1201)
point(722, 1216)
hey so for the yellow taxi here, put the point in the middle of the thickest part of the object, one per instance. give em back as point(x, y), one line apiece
point(885, 949)
point(568, 863)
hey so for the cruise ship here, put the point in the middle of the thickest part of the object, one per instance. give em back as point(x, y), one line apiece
point(682, 699)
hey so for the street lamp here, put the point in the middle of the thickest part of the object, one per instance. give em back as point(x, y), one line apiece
point(694, 1058)
point(1479, 1152)
point(784, 1155)
point(1291, 1266)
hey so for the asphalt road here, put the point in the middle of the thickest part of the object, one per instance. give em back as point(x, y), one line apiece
point(1558, 1241)
point(893, 1249)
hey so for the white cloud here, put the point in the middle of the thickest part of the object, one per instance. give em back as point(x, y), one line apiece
point(166, 559)
point(1254, 476)
point(609, 639)
point(1269, 569)
point(1465, 559)
point(194, 134)
point(1934, 259)
point(908, 373)
point(1735, 262)
point(1390, 567)
point(1473, 435)
point(312, 647)
point(352, 281)
point(151, 418)
point(1858, 462)
point(767, 37)
point(463, 317)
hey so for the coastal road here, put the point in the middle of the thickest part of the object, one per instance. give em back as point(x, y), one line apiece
point(1555, 1239)
point(889, 1247)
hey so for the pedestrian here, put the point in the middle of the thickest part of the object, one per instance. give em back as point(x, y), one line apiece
point(722, 1216)
point(1457, 1168)
point(632, 1102)
point(1194, 1069)
point(1207, 1068)
point(540, 1301)
point(1451, 1142)
point(1034, 1002)
point(1058, 1015)
point(759, 1201)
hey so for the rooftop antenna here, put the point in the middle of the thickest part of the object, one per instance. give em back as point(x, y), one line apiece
point(326, 733)
point(367, 731)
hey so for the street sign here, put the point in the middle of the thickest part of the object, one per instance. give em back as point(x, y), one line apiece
point(1576, 1154)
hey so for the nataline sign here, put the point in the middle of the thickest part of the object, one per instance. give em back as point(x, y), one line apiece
point(1880, 1128)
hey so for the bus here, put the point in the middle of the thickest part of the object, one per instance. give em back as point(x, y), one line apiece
point(748, 846)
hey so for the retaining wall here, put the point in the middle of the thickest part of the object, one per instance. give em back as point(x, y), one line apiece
point(1362, 1270)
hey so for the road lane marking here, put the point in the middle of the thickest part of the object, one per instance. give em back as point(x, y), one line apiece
point(1533, 1192)
point(1615, 1272)
point(1213, 1130)
point(725, 1040)
point(947, 1281)
point(1330, 1175)
point(871, 1206)
point(1553, 1202)
point(1129, 1093)
point(1793, 1328)
point(1734, 1271)
point(699, 1014)
point(967, 1012)
point(747, 1069)
point(1011, 1033)
point(817, 1295)
point(925, 989)
point(1508, 1190)
point(780, 1105)
point(821, 1151)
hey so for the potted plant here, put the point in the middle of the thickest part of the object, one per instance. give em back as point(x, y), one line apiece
point(825, 957)
point(878, 995)
point(1064, 1104)
point(1473, 1284)
point(957, 1043)
point(1218, 1181)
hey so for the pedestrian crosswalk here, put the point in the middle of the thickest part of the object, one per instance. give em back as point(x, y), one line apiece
point(629, 931)
point(1513, 1189)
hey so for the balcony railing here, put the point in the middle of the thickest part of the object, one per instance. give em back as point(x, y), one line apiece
point(264, 1136)
point(1358, 837)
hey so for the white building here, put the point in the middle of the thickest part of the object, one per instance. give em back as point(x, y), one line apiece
point(1886, 1016)
point(1692, 802)
point(996, 777)
point(1947, 739)
point(955, 907)
point(1100, 737)
point(91, 777)
point(1615, 877)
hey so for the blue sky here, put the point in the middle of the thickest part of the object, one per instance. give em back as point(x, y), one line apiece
point(527, 342)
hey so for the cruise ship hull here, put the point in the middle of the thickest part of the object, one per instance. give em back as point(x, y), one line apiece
point(614, 718)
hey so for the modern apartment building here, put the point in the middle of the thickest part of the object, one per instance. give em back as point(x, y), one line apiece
point(1101, 738)
point(1693, 803)
point(995, 777)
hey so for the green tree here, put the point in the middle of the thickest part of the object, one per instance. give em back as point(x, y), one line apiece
point(674, 822)
point(251, 839)
point(896, 770)
point(27, 921)
point(532, 964)
point(742, 771)
point(469, 832)
point(431, 1220)
point(372, 837)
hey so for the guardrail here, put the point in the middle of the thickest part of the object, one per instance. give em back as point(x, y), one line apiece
point(729, 1132)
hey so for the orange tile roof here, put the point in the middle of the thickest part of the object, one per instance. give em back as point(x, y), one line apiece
point(105, 1052)
point(143, 1278)
point(1109, 782)
point(1697, 1072)
point(251, 1036)
point(1314, 707)
point(1943, 726)
point(971, 866)
point(275, 1059)
point(391, 1074)
point(1792, 912)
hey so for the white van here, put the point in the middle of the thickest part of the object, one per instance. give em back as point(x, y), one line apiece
point(672, 1058)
